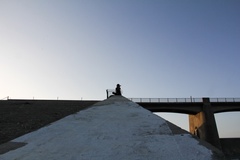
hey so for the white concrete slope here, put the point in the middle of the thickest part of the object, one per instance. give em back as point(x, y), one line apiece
point(114, 129)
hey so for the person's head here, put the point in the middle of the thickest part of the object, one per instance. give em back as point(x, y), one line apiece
point(118, 85)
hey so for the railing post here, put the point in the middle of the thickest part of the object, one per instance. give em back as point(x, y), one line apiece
point(107, 93)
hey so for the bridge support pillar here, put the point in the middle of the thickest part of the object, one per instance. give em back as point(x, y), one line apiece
point(204, 126)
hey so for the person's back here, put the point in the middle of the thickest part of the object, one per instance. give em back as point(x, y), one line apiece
point(118, 90)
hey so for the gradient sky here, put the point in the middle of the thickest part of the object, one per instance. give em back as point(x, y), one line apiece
point(76, 49)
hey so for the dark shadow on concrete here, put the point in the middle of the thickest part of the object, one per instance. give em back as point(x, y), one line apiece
point(6, 147)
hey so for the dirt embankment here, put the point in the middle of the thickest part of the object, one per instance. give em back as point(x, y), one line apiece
point(18, 117)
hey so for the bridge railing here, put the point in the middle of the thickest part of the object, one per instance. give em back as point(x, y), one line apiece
point(166, 100)
point(224, 99)
point(182, 100)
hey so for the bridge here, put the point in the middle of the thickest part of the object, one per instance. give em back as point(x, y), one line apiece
point(190, 106)
point(200, 110)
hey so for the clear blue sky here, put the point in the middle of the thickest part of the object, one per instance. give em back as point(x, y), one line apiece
point(75, 49)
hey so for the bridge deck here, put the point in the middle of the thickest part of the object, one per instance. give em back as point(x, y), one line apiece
point(189, 107)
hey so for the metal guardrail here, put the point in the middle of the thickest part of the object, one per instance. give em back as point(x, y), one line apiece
point(182, 100)
point(166, 100)
point(224, 99)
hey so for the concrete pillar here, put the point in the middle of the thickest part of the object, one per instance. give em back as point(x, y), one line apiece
point(203, 124)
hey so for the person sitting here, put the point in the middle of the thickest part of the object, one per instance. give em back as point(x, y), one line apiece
point(118, 90)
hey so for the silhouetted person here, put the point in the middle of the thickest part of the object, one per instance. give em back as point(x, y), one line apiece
point(196, 132)
point(117, 90)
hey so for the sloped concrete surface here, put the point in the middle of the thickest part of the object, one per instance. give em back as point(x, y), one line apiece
point(112, 129)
